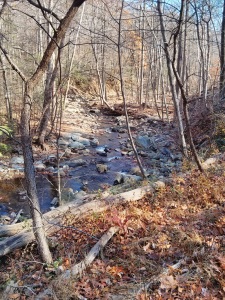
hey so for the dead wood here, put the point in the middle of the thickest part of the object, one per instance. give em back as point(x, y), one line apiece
point(79, 268)
point(22, 233)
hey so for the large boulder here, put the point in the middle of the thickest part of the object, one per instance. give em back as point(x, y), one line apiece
point(78, 138)
point(145, 142)
point(76, 146)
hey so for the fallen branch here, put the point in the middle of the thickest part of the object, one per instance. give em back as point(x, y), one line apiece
point(17, 217)
point(79, 268)
point(52, 219)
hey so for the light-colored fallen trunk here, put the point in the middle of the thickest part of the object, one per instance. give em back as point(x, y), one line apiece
point(52, 220)
point(79, 268)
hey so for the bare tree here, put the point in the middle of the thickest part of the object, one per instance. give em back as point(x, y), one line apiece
point(222, 56)
point(123, 91)
point(29, 85)
point(170, 74)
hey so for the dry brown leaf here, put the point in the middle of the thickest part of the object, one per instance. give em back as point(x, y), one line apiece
point(221, 260)
point(168, 282)
point(14, 296)
point(142, 296)
point(146, 247)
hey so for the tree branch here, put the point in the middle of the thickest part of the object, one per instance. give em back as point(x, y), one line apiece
point(12, 64)
point(45, 9)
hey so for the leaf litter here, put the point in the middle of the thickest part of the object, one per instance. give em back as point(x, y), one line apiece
point(170, 246)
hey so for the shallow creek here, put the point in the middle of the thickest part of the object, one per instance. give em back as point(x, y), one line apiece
point(82, 177)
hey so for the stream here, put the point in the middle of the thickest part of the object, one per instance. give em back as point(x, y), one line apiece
point(85, 177)
point(97, 151)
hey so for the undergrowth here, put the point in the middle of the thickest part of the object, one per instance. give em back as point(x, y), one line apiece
point(182, 223)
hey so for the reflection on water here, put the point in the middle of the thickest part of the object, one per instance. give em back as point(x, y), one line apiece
point(47, 187)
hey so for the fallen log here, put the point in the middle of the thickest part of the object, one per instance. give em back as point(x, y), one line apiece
point(79, 268)
point(52, 219)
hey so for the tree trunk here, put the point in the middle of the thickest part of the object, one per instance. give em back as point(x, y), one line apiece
point(6, 91)
point(25, 129)
point(52, 219)
point(123, 95)
point(30, 176)
point(222, 57)
point(48, 98)
point(172, 85)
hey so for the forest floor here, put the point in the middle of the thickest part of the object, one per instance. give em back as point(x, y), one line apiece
point(170, 245)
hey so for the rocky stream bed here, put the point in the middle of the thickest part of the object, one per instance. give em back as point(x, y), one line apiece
point(93, 153)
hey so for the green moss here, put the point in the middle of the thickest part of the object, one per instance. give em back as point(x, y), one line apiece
point(5, 149)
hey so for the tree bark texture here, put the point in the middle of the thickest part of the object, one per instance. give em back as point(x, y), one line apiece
point(26, 134)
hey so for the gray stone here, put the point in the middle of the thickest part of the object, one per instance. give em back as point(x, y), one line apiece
point(39, 166)
point(101, 168)
point(126, 178)
point(118, 179)
point(158, 185)
point(80, 139)
point(94, 142)
point(101, 150)
point(74, 136)
point(155, 156)
point(52, 158)
point(17, 168)
point(79, 195)
point(165, 170)
point(65, 135)
point(50, 169)
point(145, 142)
point(84, 141)
point(131, 179)
point(67, 153)
point(137, 171)
point(63, 144)
point(67, 195)
point(61, 172)
point(76, 146)
point(165, 151)
point(76, 163)
point(17, 160)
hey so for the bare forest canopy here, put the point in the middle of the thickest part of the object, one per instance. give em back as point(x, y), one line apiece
point(88, 55)
point(107, 60)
